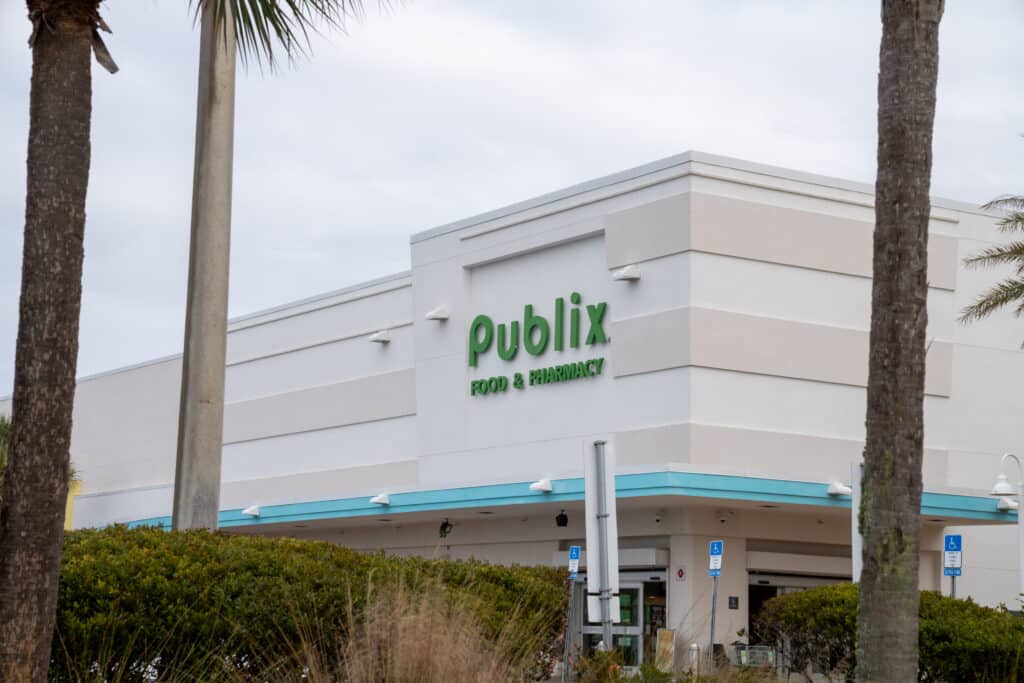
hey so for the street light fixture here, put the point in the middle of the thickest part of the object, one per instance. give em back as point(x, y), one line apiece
point(1004, 490)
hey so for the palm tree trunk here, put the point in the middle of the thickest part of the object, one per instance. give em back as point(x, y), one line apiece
point(887, 629)
point(35, 484)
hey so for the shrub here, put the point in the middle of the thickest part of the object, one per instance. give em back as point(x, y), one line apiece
point(959, 641)
point(144, 602)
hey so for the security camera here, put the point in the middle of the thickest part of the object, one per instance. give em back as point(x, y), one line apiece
point(658, 516)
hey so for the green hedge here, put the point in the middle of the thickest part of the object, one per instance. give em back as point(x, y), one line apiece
point(959, 640)
point(136, 599)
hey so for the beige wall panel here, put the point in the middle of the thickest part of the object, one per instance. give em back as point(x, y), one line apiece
point(650, 342)
point(667, 443)
point(766, 346)
point(785, 348)
point(329, 485)
point(798, 457)
point(721, 225)
point(372, 398)
point(649, 231)
point(787, 563)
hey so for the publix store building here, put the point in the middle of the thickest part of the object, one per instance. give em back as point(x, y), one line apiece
point(707, 317)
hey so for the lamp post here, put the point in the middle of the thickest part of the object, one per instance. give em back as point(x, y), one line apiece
point(1004, 489)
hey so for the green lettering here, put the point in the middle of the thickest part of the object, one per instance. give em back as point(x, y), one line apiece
point(507, 351)
point(478, 344)
point(574, 322)
point(581, 370)
point(596, 314)
point(559, 324)
point(598, 363)
point(549, 375)
point(533, 323)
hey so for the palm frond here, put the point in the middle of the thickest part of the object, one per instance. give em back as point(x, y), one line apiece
point(1012, 253)
point(262, 25)
point(1007, 202)
point(1012, 207)
point(1007, 292)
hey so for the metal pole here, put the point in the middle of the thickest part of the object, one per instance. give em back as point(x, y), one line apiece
point(568, 629)
point(857, 541)
point(602, 549)
point(714, 610)
point(201, 415)
point(952, 590)
point(1020, 522)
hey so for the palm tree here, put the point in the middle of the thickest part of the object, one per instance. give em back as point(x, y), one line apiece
point(1011, 289)
point(5, 433)
point(887, 626)
point(64, 36)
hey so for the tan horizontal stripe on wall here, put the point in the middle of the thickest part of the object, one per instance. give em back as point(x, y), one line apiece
point(767, 346)
point(377, 397)
point(763, 232)
point(787, 455)
point(340, 483)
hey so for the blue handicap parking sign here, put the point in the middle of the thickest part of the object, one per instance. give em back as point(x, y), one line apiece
point(952, 555)
point(716, 548)
point(574, 552)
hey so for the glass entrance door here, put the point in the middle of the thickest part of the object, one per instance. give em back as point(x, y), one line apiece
point(627, 634)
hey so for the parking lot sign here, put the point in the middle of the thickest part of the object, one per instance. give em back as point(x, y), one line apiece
point(952, 555)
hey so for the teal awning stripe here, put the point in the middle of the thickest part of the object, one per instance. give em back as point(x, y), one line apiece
point(664, 483)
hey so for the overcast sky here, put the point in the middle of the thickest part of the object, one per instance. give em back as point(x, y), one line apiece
point(439, 109)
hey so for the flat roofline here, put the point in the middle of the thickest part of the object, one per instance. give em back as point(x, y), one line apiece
point(676, 161)
point(246, 317)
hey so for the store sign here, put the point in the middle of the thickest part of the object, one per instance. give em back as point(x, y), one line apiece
point(537, 334)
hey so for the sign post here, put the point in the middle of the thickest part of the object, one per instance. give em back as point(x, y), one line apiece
point(714, 571)
point(602, 539)
point(952, 559)
point(574, 568)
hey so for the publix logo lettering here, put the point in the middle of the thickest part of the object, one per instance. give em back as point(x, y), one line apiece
point(585, 326)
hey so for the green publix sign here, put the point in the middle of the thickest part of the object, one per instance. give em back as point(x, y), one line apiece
point(573, 326)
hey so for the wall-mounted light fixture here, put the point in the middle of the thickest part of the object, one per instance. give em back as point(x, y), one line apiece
point(541, 485)
point(630, 273)
point(838, 488)
point(252, 511)
point(382, 337)
point(381, 499)
point(562, 519)
point(445, 528)
point(440, 313)
point(1006, 504)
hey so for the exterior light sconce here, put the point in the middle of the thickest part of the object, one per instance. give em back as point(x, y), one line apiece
point(562, 519)
point(541, 486)
point(445, 528)
point(252, 511)
point(630, 273)
point(381, 499)
point(382, 337)
point(1006, 505)
point(838, 488)
point(440, 314)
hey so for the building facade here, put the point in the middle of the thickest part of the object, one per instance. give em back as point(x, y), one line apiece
point(707, 317)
